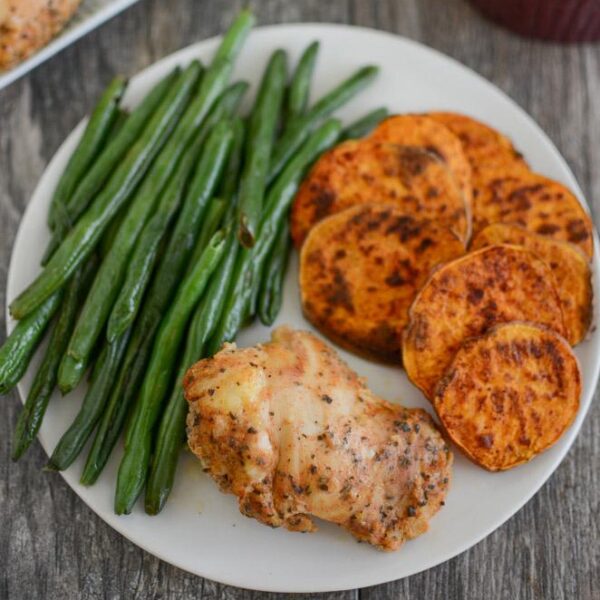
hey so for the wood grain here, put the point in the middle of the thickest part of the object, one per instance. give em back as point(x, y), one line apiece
point(53, 547)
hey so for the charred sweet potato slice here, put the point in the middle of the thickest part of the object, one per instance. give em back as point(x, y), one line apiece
point(427, 133)
point(491, 154)
point(536, 203)
point(466, 297)
point(368, 171)
point(509, 394)
point(360, 270)
point(486, 149)
point(569, 266)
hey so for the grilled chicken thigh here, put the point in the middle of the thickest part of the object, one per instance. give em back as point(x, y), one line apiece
point(294, 433)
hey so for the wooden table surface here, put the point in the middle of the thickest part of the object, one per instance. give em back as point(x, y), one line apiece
point(53, 547)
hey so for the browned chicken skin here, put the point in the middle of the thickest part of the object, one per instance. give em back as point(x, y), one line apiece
point(294, 433)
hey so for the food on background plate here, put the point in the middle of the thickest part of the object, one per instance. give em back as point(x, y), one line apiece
point(368, 171)
point(360, 270)
point(423, 132)
point(28, 25)
point(538, 204)
point(466, 297)
point(290, 430)
point(509, 394)
point(569, 266)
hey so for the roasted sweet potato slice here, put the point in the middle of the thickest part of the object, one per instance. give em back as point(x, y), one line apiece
point(509, 394)
point(491, 154)
point(536, 203)
point(360, 270)
point(424, 132)
point(367, 171)
point(572, 275)
point(466, 297)
point(486, 149)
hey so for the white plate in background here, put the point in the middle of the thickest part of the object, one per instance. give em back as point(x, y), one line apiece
point(200, 529)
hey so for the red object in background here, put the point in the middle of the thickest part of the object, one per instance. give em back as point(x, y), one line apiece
point(555, 20)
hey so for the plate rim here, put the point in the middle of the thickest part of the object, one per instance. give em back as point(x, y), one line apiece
point(360, 580)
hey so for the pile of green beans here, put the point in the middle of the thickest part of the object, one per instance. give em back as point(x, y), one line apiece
point(169, 233)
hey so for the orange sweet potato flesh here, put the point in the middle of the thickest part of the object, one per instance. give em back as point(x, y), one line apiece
point(367, 171)
point(425, 132)
point(506, 190)
point(538, 204)
point(569, 266)
point(467, 296)
point(488, 151)
point(491, 154)
point(509, 394)
point(360, 270)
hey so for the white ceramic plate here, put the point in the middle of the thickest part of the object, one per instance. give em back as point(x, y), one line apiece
point(200, 529)
point(91, 14)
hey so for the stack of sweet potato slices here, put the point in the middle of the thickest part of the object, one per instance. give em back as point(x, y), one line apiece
point(432, 243)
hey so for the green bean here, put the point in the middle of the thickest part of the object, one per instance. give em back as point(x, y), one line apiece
point(17, 350)
point(212, 220)
point(364, 125)
point(82, 239)
point(147, 247)
point(249, 262)
point(110, 277)
point(110, 234)
point(229, 182)
point(272, 279)
point(94, 136)
point(26, 330)
point(134, 464)
point(261, 134)
point(70, 372)
point(205, 321)
point(110, 157)
point(280, 199)
point(299, 91)
point(213, 83)
point(300, 128)
point(172, 426)
point(236, 35)
point(124, 390)
point(144, 255)
point(44, 382)
point(227, 104)
point(65, 216)
point(164, 282)
point(217, 76)
point(200, 191)
point(32, 413)
point(74, 439)
point(170, 437)
point(106, 287)
point(146, 250)
point(284, 189)
point(120, 120)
